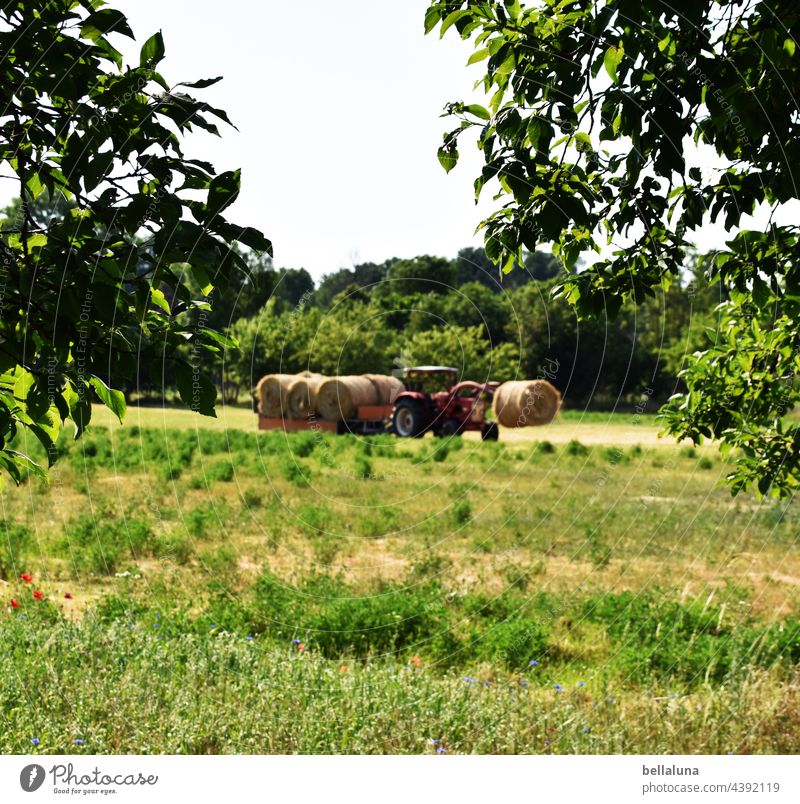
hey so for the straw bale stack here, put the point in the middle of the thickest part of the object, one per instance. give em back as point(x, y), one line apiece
point(339, 398)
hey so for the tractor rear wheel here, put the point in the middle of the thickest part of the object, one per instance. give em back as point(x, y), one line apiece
point(408, 419)
point(490, 432)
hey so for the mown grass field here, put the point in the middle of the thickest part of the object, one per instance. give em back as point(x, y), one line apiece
point(584, 587)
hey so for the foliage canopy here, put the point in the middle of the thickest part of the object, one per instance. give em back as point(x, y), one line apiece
point(615, 130)
point(101, 288)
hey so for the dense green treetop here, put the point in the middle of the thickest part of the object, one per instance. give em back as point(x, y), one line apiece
point(614, 130)
point(102, 287)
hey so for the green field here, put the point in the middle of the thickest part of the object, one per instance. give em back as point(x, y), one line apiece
point(584, 587)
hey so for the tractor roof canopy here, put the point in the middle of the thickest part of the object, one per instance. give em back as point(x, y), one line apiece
point(431, 369)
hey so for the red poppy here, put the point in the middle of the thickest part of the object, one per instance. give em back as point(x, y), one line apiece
point(38, 595)
point(68, 596)
point(27, 577)
point(415, 660)
point(14, 603)
point(301, 646)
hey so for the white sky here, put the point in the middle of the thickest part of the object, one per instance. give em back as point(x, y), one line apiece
point(338, 108)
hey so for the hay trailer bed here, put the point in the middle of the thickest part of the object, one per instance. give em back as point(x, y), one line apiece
point(370, 420)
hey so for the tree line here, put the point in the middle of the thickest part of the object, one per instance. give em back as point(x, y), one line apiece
point(462, 312)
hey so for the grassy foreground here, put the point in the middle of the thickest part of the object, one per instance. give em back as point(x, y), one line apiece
point(190, 590)
point(96, 689)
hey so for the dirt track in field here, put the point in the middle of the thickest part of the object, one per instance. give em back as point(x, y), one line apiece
point(623, 431)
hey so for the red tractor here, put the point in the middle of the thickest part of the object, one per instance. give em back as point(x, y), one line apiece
point(434, 401)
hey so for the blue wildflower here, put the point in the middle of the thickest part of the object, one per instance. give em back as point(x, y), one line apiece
point(584, 729)
point(35, 740)
point(249, 639)
point(547, 743)
point(78, 741)
point(295, 642)
point(441, 750)
point(533, 663)
point(558, 687)
point(581, 683)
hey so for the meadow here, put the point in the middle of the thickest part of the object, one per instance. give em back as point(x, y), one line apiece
point(185, 585)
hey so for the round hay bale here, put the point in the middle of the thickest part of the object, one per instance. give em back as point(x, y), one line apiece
point(387, 388)
point(339, 398)
point(272, 391)
point(301, 400)
point(526, 403)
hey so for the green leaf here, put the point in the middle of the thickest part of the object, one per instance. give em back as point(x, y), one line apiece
point(432, 17)
point(15, 463)
point(159, 300)
point(80, 408)
point(202, 83)
point(201, 275)
point(218, 337)
point(448, 158)
point(789, 46)
point(222, 191)
point(113, 400)
point(478, 55)
point(105, 21)
point(196, 389)
point(478, 111)
point(152, 51)
point(451, 19)
point(611, 61)
point(34, 185)
point(23, 383)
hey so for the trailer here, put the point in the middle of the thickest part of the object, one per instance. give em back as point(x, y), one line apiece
point(433, 401)
point(370, 420)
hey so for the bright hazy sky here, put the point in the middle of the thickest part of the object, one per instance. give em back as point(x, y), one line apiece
point(338, 108)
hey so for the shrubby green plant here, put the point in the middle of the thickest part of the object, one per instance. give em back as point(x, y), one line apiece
point(102, 284)
point(589, 106)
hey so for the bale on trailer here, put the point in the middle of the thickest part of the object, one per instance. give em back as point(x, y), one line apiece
point(387, 388)
point(301, 400)
point(526, 403)
point(339, 398)
point(272, 391)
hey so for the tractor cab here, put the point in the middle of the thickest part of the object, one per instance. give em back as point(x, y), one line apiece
point(430, 379)
point(435, 401)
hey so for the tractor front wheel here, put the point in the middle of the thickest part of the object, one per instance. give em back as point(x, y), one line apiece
point(450, 427)
point(408, 419)
point(490, 432)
